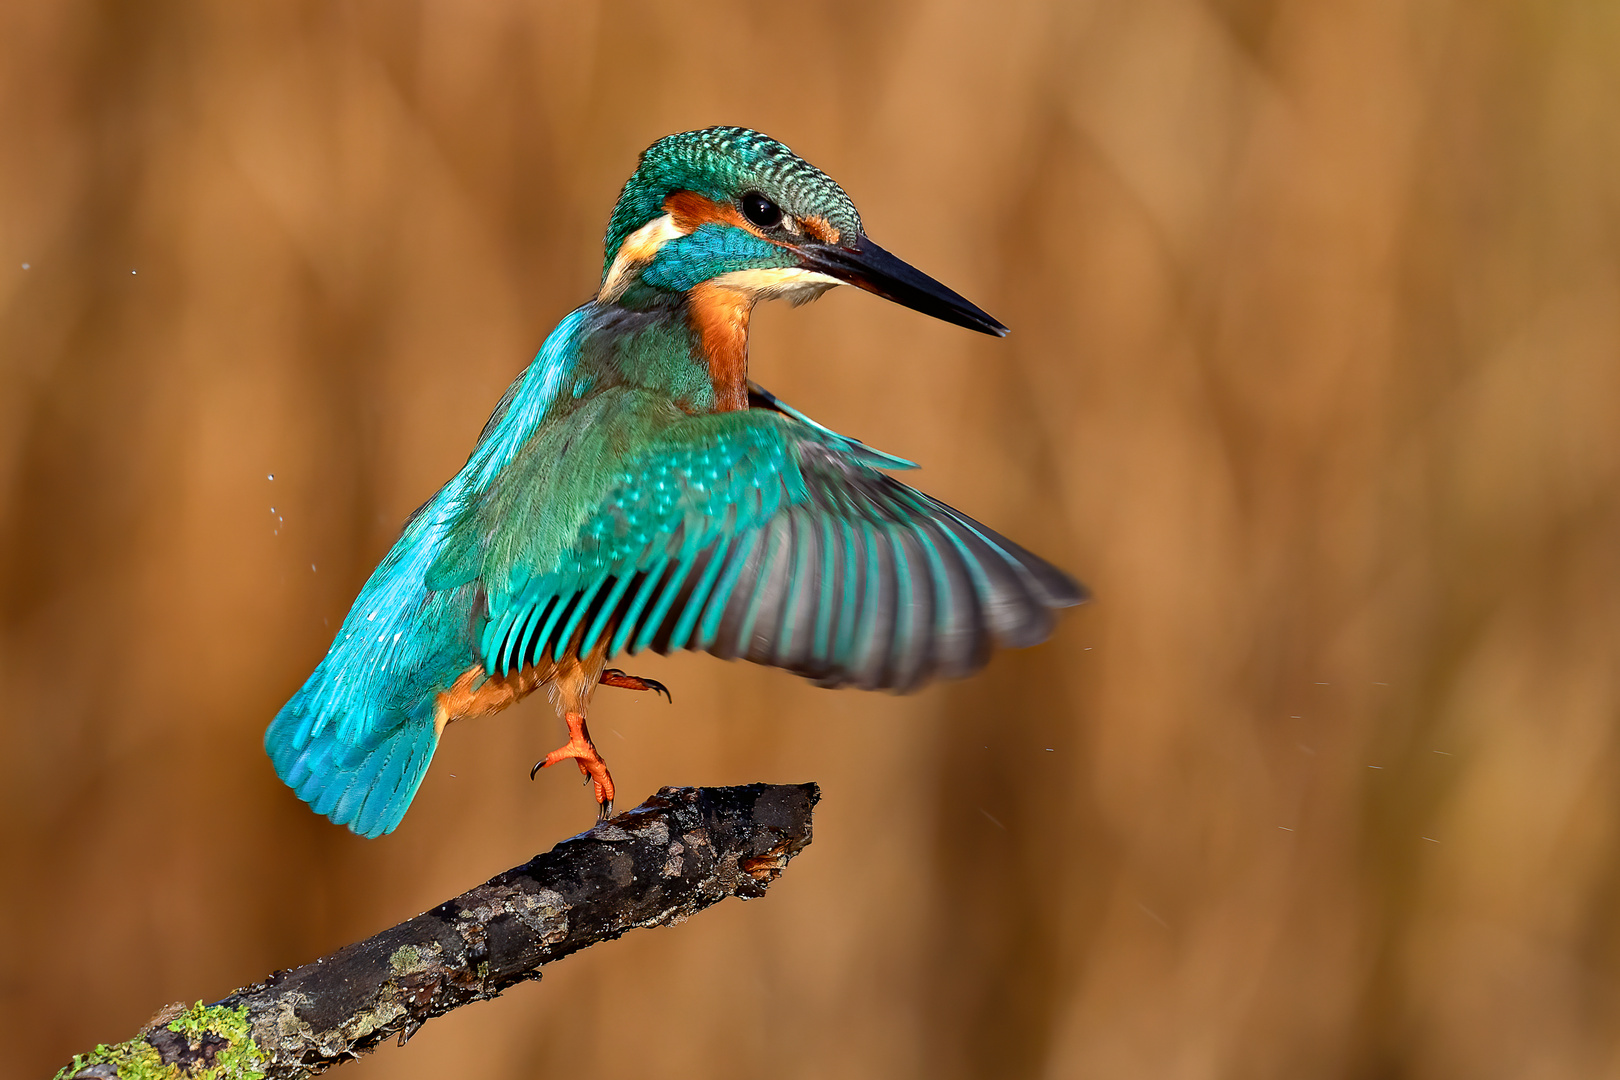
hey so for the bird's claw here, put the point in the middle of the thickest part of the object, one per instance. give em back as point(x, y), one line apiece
point(615, 677)
point(583, 751)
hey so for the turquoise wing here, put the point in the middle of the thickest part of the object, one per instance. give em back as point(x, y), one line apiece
point(763, 536)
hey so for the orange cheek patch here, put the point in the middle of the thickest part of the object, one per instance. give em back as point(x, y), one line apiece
point(819, 228)
point(688, 209)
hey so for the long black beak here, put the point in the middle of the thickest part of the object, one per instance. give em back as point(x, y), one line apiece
point(870, 267)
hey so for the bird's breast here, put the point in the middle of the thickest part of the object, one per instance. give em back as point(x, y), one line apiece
point(719, 315)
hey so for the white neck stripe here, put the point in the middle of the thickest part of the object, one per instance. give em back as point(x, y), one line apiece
point(638, 248)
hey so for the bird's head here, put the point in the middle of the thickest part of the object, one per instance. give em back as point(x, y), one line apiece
point(730, 210)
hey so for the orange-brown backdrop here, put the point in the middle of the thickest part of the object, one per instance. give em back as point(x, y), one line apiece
point(1314, 378)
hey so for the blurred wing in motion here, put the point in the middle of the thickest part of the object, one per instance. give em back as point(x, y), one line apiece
point(759, 534)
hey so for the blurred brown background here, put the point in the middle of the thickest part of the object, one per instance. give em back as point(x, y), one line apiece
point(1313, 379)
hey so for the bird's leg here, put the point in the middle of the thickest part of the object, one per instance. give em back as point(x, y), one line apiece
point(615, 677)
point(583, 751)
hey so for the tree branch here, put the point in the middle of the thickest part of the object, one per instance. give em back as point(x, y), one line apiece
point(677, 853)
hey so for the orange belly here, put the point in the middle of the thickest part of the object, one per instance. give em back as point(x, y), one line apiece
point(569, 681)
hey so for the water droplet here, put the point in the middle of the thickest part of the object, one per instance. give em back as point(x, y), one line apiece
point(271, 476)
point(25, 266)
point(312, 568)
point(132, 273)
point(272, 509)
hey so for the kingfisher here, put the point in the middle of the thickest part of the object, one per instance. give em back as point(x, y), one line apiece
point(634, 490)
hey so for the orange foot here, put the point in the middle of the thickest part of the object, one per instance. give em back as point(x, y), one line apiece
point(583, 751)
point(615, 677)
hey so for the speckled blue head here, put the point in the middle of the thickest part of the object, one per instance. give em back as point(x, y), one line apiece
point(724, 164)
point(731, 209)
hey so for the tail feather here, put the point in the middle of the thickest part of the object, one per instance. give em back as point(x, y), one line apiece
point(355, 741)
point(359, 784)
point(366, 788)
point(385, 801)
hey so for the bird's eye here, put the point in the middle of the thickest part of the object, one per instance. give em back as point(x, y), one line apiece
point(761, 211)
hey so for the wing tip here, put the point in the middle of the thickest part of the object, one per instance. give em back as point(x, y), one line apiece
point(1066, 591)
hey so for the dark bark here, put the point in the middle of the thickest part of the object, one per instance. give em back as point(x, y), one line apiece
point(677, 853)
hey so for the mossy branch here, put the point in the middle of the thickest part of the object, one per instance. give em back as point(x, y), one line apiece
point(675, 854)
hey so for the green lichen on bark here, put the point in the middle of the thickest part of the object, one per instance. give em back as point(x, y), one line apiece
point(206, 1042)
point(409, 959)
point(679, 852)
point(406, 958)
point(136, 1059)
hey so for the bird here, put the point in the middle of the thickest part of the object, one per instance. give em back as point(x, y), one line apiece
point(634, 489)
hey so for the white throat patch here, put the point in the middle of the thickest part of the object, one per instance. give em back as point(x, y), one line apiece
point(790, 283)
